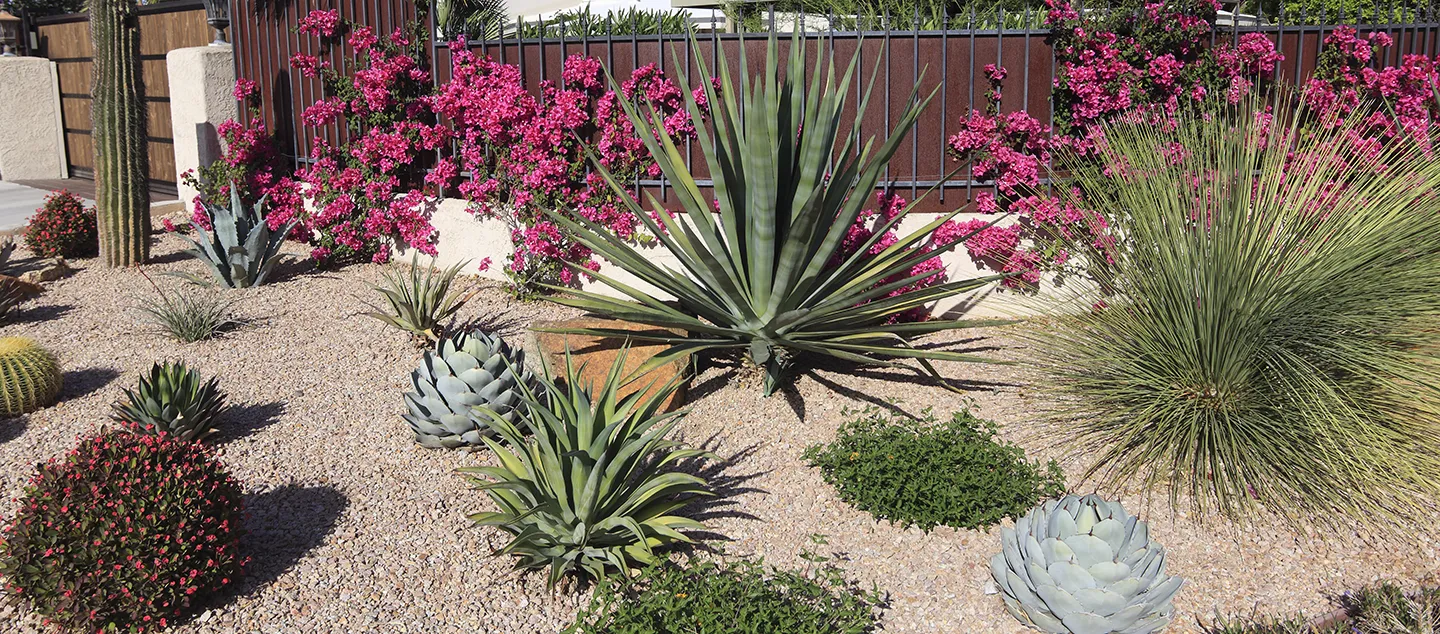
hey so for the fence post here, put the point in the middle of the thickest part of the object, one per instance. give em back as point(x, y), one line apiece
point(32, 141)
point(202, 84)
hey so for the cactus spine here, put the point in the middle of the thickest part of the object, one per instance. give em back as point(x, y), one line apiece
point(122, 193)
point(29, 376)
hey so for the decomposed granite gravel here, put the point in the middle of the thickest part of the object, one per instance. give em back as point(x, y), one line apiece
point(355, 528)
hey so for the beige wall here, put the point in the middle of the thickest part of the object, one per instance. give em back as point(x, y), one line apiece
point(463, 237)
point(202, 85)
point(32, 140)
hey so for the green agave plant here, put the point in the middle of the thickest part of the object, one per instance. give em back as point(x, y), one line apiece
point(240, 249)
point(765, 274)
point(420, 305)
point(172, 399)
point(586, 482)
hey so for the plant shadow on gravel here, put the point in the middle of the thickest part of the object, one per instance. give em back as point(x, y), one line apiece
point(282, 525)
point(239, 421)
point(87, 381)
point(36, 313)
point(12, 428)
point(726, 485)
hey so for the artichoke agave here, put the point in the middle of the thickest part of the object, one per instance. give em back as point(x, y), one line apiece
point(593, 487)
point(763, 265)
point(241, 250)
point(1081, 565)
point(463, 375)
point(172, 400)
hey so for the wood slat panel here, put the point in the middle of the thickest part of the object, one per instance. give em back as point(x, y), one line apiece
point(69, 44)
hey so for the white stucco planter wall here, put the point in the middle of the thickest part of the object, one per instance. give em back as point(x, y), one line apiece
point(32, 137)
point(202, 95)
point(464, 237)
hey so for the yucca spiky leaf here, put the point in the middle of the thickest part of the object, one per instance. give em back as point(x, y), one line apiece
point(171, 399)
point(420, 305)
point(592, 487)
point(1271, 338)
point(766, 274)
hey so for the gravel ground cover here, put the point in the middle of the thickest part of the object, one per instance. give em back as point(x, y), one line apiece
point(355, 528)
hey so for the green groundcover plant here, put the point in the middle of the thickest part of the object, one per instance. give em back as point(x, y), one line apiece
point(1267, 331)
point(929, 473)
point(740, 596)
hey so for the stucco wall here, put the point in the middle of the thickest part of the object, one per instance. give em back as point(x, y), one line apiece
point(463, 237)
point(32, 141)
point(202, 85)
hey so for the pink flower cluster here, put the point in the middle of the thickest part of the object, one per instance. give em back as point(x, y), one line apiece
point(1402, 98)
point(320, 23)
point(527, 155)
point(866, 230)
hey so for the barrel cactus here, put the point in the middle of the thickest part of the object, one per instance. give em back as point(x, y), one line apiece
point(171, 399)
point(1081, 565)
point(474, 370)
point(29, 376)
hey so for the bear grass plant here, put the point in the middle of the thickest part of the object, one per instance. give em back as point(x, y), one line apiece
point(740, 596)
point(1268, 340)
point(927, 473)
point(126, 532)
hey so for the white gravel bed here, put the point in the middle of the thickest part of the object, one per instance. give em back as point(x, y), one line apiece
point(355, 528)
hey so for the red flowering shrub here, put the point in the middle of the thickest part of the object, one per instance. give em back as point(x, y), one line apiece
point(63, 227)
point(528, 155)
point(124, 533)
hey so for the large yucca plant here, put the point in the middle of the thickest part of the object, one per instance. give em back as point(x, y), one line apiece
point(587, 479)
point(761, 262)
point(1272, 332)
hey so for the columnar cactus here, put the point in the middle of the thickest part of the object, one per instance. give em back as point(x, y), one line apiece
point(122, 193)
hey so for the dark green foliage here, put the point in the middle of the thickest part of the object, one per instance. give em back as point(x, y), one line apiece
point(122, 186)
point(165, 508)
point(62, 228)
point(736, 597)
point(926, 473)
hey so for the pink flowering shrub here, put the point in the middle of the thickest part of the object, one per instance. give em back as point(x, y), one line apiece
point(871, 221)
point(1144, 60)
point(249, 159)
point(528, 155)
point(365, 194)
point(1402, 97)
point(126, 532)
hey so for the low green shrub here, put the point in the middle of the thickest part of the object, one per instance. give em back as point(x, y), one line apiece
point(736, 597)
point(126, 533)
point(62, 227)
point(926, 473)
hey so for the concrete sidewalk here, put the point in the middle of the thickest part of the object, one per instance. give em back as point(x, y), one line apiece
point(17, 202)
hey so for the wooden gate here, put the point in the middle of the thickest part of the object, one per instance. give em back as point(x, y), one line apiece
point(166, 26)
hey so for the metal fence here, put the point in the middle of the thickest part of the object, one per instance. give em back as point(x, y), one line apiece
point(921, 55)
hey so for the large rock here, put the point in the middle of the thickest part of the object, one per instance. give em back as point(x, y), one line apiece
point(598, 354)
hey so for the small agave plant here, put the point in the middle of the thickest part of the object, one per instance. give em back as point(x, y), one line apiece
point(240, 249)
point(171, 399)
point(464, 374)
point(1081, 565)
point(587, 483)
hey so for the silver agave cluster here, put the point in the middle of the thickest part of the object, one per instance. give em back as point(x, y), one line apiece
point(1082, 565)
point(461, 375)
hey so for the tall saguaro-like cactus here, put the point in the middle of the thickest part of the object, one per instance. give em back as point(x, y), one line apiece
point(122, 193)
